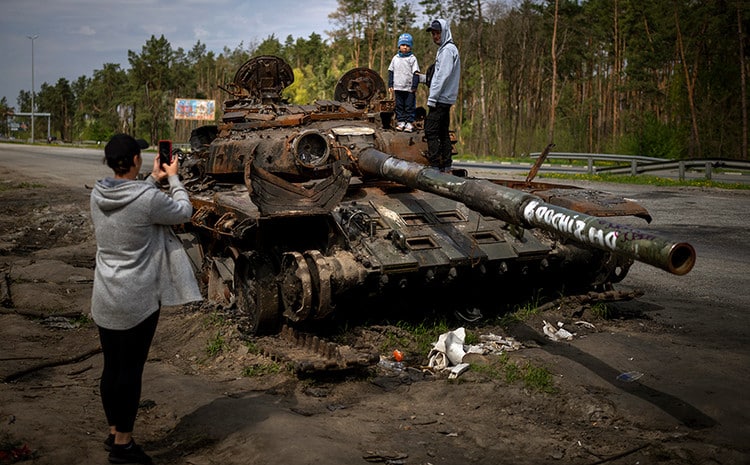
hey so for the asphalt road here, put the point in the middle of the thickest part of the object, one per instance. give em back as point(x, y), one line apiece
point(698, 371)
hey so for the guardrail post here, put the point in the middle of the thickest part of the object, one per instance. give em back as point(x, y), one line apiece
point(633, 167)
point(591, 165)
point(708, 170)
point(681, 171)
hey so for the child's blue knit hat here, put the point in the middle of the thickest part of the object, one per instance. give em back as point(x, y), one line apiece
point(405, 39)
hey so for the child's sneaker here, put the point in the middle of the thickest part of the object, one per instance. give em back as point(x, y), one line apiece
point(129, 453)
point(408, 127)
point(400, 126)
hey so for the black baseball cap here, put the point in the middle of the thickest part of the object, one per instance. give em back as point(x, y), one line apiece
point(120, 149)
point(435, 26)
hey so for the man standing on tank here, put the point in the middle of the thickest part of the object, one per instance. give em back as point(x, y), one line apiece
point(443, 94)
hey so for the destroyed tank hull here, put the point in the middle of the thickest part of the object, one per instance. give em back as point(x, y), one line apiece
point(303, 212)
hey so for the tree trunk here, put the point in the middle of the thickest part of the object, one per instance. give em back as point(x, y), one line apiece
point(553, 96)
point(743, 79)
point(483, 139)
point(690, 84)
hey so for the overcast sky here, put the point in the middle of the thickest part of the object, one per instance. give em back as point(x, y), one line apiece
point(77, 37)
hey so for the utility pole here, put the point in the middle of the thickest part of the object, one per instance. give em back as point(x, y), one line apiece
point(32, 84)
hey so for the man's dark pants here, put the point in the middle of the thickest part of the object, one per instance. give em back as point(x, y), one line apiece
point(437, 132)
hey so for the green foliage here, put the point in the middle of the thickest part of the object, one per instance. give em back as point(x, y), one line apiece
point(536, 378)
point(521, 313)
point(601, 310)
point(261, 369)
point(419, 337)
point(270, 46)
point(215, 318)
point(215, 345)
point(252, 348)
point(653, 138)
point(6, 186)
point(471, 338)
point(82, 320)
point(632, 77)
point(297, 92)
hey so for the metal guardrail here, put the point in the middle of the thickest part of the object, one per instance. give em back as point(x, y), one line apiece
point(639, 164)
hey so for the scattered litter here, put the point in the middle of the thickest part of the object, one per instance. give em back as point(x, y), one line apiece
point(387, 457)
point(398, 355)
point(390, 364)
point(449, 351)
point(146, 404)
point(557, 333)
point(496, 345)
point(59, 322)
point(630, 376)
point(471, 315)
point(457, 370)
point(585, 324)
point(12, 453)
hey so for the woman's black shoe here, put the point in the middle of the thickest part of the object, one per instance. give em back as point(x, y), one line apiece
point(129, 453)
point(109, 442)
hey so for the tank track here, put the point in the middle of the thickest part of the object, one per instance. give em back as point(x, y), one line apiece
point(308, 354)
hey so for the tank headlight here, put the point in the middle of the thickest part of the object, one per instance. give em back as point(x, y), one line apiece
point(310, 149)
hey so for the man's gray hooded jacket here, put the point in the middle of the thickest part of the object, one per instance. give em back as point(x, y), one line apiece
point(140, 263)
point(444, 85)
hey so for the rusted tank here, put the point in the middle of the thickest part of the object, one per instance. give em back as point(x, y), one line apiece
point(303, 212)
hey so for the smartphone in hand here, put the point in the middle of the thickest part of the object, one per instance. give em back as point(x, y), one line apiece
point(165, 152)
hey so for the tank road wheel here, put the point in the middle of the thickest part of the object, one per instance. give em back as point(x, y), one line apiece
point(257, 294)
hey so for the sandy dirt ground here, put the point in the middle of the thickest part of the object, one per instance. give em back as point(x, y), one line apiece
point(210, 397)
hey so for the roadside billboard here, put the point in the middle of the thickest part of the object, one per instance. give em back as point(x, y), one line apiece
point(194, 109)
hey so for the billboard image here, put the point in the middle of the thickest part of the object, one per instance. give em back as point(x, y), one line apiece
point(185, 108)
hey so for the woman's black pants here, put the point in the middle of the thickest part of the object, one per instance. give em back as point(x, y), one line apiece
point(125, 354)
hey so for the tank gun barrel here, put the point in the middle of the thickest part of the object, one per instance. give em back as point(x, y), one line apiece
point(527, 210)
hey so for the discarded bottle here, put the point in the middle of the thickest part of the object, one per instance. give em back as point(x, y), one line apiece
point(629, 376)
point(391, 365)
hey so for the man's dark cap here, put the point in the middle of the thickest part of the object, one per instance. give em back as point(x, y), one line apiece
point(435, 26)
point(120, 150)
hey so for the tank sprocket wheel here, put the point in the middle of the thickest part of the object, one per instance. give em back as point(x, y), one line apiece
point(257, 294)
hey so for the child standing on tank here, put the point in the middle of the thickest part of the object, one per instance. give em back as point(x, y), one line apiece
point(402, 83)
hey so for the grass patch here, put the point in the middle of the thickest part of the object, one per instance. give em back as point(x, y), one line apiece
point(82, 320)
point(261, 369)
point(601, 310)
point(521, 313)
point(214, 319)
point(535, 378)
point(538, 378)
point(252, 348)
point(419, 337)
point(215, 345)
point(7, 186)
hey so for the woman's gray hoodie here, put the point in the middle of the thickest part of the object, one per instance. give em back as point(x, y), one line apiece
point(140, 263)
point(444, 85)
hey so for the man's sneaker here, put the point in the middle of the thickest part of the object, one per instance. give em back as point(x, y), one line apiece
point(129, 453)
point(109, 442)
point(408, 127)
point(400, 126)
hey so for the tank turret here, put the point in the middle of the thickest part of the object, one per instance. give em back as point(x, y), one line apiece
point(303, 211)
